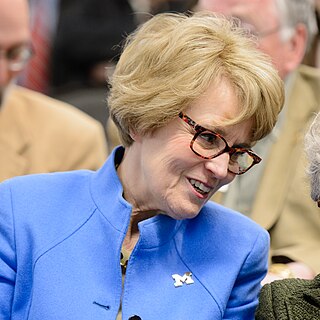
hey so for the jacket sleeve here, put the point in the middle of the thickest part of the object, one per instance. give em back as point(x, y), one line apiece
point(248, 283)
point(8, 263)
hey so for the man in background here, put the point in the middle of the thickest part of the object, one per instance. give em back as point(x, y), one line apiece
point(276, 192)
point(37, 133)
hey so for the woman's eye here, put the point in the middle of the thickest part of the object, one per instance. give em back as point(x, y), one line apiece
point(208, 137)
point(210, 140)
point(235, 156)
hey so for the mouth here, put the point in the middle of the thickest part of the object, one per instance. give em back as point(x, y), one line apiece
point(200, 187)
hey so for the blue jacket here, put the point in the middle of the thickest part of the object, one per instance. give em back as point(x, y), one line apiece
point(60, 241)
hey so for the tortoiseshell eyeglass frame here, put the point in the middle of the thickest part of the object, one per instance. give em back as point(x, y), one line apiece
point(231, 150)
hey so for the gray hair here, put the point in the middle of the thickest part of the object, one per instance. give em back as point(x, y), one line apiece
point(312, 148)
point(293, 12)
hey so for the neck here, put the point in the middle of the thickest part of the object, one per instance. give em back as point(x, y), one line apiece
point(132, 234)
point(132, 182)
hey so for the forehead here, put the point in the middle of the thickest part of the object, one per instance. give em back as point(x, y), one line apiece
point(256, 12)
point(14, 22)
point(218, 101)
point(217, 105)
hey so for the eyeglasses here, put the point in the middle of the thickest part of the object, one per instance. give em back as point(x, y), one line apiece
point(260, 34)
point(266, 33)
point(208, 145)
point(17, 57)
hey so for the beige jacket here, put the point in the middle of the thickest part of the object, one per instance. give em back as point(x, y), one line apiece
point(283, 204)
point(40, 134)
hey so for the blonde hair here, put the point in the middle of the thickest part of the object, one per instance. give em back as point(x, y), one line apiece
point(171, 60)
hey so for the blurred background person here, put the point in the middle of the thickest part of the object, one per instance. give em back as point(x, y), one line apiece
point(85, 49)
point(289, 299)
point(158, 6)
point(312, 57)
point(275, 193)
point(43, 21)
point(37, 133)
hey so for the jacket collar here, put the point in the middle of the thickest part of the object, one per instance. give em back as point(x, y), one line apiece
point(107, 193)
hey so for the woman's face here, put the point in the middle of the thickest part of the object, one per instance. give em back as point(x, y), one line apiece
point(168, 169)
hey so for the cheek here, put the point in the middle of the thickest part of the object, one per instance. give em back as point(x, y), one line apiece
point(168, 161)
point(168, 148)
point(230, 177)
point(274, 48)
point(166, 155)
point(11, 76)
point(171, 164)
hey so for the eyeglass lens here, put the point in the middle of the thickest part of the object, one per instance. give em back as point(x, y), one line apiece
point(208, 144)
point(18, 56)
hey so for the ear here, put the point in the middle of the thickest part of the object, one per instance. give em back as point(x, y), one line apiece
point(296, 48)
point(134, 135)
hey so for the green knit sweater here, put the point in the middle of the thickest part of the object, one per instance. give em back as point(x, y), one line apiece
point(290, 299)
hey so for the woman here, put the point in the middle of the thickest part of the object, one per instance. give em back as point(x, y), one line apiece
point(190, 95)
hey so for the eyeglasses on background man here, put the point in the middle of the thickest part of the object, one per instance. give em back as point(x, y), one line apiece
point(17, 57)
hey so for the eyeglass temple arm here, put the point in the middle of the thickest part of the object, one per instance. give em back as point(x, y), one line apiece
point(187, 120)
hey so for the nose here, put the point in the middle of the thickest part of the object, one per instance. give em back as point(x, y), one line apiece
point(219, 166)
point(4, 71)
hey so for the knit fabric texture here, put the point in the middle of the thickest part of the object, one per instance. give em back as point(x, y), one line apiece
point(290, 299)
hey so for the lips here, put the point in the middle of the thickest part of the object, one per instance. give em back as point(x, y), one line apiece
point(200, 187)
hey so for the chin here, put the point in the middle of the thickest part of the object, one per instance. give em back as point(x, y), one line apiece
point(187, 212)
point(4, 92)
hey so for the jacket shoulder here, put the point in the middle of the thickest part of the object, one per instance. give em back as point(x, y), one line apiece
point(227, 218)
point(62, 136)
point(50, 110)
point(46, 204)
point(219, 227)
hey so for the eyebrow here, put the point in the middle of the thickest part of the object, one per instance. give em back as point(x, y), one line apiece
point(17, 45)
point(242, 145)
point(224, 134)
